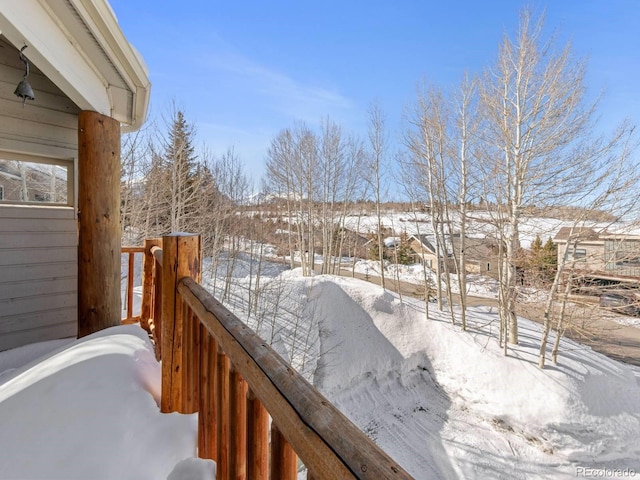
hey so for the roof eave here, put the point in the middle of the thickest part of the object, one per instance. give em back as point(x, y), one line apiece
point(62, 58)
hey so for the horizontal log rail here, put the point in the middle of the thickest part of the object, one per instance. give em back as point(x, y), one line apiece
point(214, 364)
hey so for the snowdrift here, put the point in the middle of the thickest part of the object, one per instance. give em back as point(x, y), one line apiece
point(88, 409)
point(443, 402)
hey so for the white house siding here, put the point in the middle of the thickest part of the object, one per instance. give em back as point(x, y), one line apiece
point(38, 274)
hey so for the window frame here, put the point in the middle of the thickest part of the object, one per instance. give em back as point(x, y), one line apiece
point(68, 163)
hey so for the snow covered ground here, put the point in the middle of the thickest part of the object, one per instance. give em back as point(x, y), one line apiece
point(442, 402)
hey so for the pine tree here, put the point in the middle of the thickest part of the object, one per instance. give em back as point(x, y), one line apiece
point(181, 171)
point(550, 255)
point(403, 250)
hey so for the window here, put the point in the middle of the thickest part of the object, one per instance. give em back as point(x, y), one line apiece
point(34, 180)
point(42, 197)
point(579, 253)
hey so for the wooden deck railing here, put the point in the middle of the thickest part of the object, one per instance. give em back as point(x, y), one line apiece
point(214, 364)
point(131, 254)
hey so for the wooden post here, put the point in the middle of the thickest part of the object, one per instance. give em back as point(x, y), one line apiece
point(207, 422)
point(257, 439)
point(157, 301)
point(284, 462)
point(147, 281)
point(222, 378)
point(191, 377)
point(238, 426)
point(180, 258)
point(130, 274)
point(99, 302)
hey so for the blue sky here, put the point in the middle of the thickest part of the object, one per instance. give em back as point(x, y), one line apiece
point(244, 70)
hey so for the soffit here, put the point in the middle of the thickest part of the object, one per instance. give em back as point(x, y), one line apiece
point(80, 47)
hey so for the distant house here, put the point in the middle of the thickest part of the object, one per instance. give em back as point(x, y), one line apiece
point(354, 244)
point(600, 256)
point(480, 253)
point(424, 251)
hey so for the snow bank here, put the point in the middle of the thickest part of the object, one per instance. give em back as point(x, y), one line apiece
point(88, 409)
point(442, 401)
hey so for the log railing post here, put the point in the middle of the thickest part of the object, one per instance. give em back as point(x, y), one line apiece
point(257, 439)
point(222, 414)
point(180, 258)
point(237, 426)
point(191, 377)
point(207, 421)
point(130, 274)
point(284, 461)
point(157, 300)
point(147, 282)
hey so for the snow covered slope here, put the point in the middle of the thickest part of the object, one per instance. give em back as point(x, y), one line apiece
point(448, 404)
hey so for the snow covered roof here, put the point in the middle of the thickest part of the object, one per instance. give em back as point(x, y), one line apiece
point(391, 242)
point(80, 47)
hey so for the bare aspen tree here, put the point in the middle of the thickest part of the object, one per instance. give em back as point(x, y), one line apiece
point(292, 170)
point(535, 118)
point(223, 189)
point(465, 132)
point(350, 186)
point(306, 171)
point(428, 143)
point(134, 167)
point(376, 172)
point(412, 189)
point(280, 179)
point(24, 190)
point(333, 168)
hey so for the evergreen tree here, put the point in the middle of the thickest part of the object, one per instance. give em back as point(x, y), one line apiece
point(550, 255)
point(181, 171)
point(536, 246)
point(403, 250)
point(542, 261)
point(374, 247)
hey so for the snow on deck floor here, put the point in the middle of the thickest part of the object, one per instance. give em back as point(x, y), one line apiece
point(88, 409)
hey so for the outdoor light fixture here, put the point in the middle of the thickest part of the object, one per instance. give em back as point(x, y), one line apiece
point(24, 90)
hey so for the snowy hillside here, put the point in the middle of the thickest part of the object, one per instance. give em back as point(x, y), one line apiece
point(443, 403)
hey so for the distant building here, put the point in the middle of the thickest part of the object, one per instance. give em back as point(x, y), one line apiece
point(600, 258)
point(480, 254)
